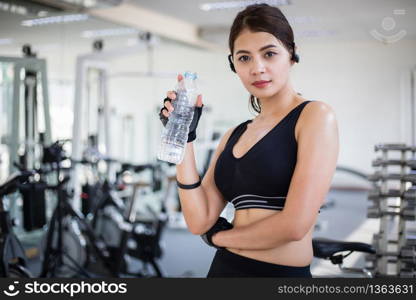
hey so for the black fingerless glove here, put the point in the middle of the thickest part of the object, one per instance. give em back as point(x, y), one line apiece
point(220, 225)
point(192, 126)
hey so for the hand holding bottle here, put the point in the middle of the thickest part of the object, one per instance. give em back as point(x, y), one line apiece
point(168, 108)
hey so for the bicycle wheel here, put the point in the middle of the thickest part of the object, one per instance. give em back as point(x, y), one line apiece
point(75, 251)
point(19, 271)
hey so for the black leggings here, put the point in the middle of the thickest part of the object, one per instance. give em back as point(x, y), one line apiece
point(229, 264)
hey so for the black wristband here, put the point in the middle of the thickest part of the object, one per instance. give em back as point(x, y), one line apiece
point(189, 186)
point(220, 225)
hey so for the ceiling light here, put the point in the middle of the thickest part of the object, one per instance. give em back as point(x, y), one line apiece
point(108, 32)
point(240, 4)
point(55, 20)
point(83, 3)
point(13, 8)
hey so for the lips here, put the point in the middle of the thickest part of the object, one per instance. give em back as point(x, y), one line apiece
point(261, 83)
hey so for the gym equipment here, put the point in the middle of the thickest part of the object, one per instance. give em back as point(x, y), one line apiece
point(392, 252)
point(25, 133)
point(34, 205)
point(69, 239)
point(13, 259)
point(73, 234)
point(144, 241)
point(59, 245)
point(351, 171)
point(378, 176)
point(97, 124)
point(332, 250)
point(35, 103)
point(395, 241)
point(105, 210)
point(77, 247)
point(92, 113)
point(127, 138)
point(394, 162)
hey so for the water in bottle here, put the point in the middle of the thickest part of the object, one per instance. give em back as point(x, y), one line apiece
point(175, 133)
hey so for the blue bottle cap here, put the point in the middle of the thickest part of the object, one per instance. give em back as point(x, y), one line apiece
point(190, 75)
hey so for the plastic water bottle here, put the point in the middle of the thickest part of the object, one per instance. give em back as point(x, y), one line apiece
point(175, 133)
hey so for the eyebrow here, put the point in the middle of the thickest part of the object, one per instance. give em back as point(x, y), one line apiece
point(261, 49)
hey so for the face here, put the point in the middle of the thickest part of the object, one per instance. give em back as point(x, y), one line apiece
point(260, 56)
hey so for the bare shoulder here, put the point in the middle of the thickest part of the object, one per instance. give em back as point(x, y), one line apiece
point(315, 115)
point(317, 111)
point(318, 108)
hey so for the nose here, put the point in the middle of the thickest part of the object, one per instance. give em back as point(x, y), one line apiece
point(258, 67)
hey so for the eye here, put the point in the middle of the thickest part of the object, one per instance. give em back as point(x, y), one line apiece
point(270, 53)
point(241, 58)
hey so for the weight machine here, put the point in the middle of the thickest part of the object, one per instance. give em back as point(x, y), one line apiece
point(26, 127)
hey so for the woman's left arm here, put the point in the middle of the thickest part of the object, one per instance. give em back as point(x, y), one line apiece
point(318, 148)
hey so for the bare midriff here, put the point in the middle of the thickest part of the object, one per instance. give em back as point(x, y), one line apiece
point(295, 253)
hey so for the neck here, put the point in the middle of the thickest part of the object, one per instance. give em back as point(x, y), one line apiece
point(278, 103)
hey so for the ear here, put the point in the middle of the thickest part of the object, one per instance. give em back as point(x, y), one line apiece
point(292, 62)
point(295, 55)
point(230, 60)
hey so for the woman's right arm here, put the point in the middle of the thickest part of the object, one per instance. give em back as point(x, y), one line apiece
point(203, 205)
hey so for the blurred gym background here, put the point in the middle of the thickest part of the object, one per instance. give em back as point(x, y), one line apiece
point(81, 85)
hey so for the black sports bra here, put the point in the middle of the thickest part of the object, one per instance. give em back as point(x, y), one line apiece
point(260, 178)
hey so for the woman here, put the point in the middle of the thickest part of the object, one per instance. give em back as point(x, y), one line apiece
point(275, 169)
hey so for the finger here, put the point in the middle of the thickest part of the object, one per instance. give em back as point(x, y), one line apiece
point(171, 95)
point(169, 106)
point(165, 113)
point(162, 111)
point(199, 101)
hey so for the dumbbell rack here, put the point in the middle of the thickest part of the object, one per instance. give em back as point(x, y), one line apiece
point(395, 207)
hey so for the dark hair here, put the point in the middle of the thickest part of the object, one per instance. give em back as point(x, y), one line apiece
point(263, 18)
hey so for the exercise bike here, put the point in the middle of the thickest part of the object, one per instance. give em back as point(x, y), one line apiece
point(329, 249)
point(13, 259)
point(90, 254)
point(71, 247)
point(144, 241)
